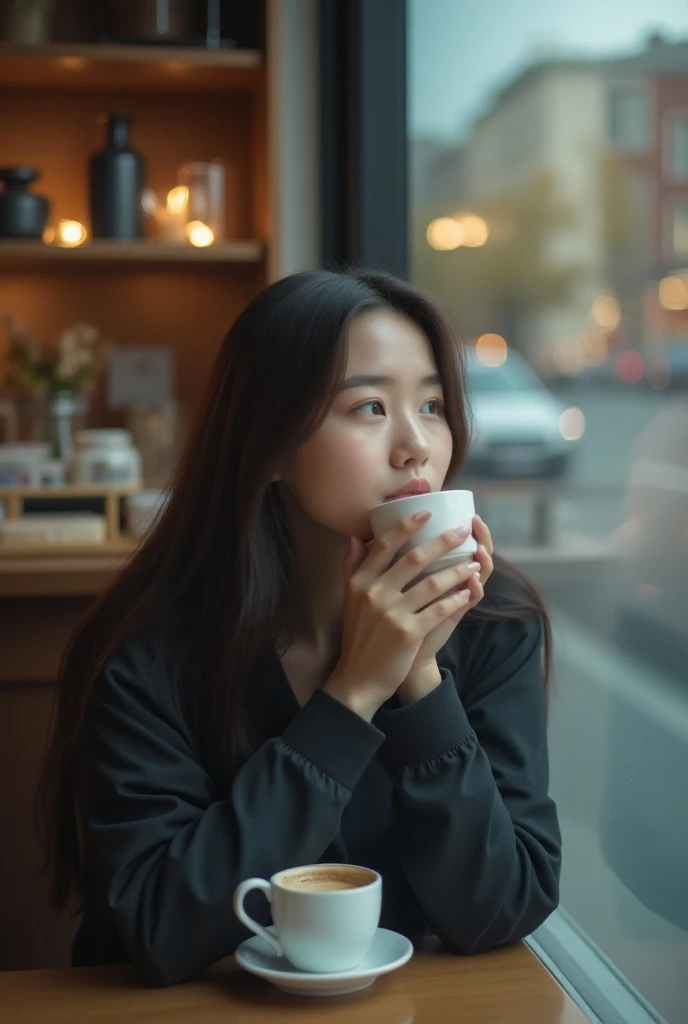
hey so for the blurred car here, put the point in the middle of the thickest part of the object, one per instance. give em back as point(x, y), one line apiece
point(520, 429)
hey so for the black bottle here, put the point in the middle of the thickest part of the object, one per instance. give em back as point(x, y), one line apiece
point(116, 179)
point(22, 214)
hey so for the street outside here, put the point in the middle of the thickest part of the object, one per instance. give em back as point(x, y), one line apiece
point(615, 419)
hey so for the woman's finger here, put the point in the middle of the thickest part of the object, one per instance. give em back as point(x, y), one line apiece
point(482, 534)
point(475, 588)
point(483, 556)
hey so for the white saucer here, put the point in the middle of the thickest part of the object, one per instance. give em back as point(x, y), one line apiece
point(389, 951)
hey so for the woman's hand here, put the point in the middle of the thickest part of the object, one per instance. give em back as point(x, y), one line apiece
point(424, 675)
point(387, 615)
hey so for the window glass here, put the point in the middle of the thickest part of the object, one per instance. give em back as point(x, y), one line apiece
point(546, 213)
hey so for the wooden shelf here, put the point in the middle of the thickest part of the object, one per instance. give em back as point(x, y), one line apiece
point(125, 68)
point(14, 254)
point(13, 499)
point(70, 491)
point(55, 552)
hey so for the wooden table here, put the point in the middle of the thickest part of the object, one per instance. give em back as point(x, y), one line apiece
point(507, 986)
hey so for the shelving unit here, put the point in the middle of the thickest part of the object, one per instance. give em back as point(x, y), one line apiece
point(186, 104)
point(116, 67)
point(14, 254)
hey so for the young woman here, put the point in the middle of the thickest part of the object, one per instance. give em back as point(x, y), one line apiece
point(262, 686)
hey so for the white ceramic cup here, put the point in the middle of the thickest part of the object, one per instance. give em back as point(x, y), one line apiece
point(318, 929)
point(450, 509)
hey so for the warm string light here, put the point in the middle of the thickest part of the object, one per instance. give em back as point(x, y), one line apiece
point(177, 199)
point(199, 234)
point(69, 234)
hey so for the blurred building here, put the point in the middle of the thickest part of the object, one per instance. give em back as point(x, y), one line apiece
point(436, 173)
point(613, 133)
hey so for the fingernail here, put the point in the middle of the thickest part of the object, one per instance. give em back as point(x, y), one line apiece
point(419, 517)
point(474, 567)
point(465, 596)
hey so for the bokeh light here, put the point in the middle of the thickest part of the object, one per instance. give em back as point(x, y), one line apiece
point(475, 230)
point(572, 424)
point(673, 292)
point(629, 366)
point(491, 349)
point(606, 311)
point(70, 233)
point(177, 199)
point(444, 233)
point(199, 234)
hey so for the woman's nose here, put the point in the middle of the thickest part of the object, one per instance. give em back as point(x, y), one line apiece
point(412, 447)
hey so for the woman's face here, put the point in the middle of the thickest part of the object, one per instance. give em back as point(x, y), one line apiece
point(380, 432)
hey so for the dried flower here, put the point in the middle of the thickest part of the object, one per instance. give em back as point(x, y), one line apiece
point(72, 365)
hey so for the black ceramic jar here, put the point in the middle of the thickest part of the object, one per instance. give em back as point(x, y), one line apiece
point(22, 214)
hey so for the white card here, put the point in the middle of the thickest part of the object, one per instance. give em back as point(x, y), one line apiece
point(139, 376)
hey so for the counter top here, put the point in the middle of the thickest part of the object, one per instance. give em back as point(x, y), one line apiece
point(506, 985)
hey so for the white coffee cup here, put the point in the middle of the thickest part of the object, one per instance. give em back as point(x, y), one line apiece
point(450, 509)
point(325, 915)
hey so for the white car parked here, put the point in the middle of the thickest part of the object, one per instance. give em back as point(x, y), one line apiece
point(520, 429)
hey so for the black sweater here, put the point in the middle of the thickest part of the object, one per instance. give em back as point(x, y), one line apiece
point(446, 798)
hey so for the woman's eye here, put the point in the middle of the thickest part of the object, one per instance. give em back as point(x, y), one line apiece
point(439, 407)
point(367, 405)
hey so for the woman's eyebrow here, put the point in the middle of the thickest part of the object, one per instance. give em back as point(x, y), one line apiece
point(362, 380)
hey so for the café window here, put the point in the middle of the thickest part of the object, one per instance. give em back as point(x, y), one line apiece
point(531, 219)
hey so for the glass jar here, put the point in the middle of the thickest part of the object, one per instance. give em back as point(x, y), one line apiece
point(106, 457)
point(205, 206)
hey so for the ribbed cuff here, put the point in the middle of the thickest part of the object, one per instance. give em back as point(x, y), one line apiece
point(334, 738)
point(426, 729)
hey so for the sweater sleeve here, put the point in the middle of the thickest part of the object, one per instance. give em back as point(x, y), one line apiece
point(475, 829)
point(168, 854)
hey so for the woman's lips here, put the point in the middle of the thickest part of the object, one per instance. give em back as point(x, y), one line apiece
point(415, 486)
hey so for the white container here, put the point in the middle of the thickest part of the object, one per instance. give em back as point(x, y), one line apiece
point(53, 473)
point(142, 511)
point(53, 528)
point(20, 464)
point(106, 457)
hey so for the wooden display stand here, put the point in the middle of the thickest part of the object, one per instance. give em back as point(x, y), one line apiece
point(116, 543)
